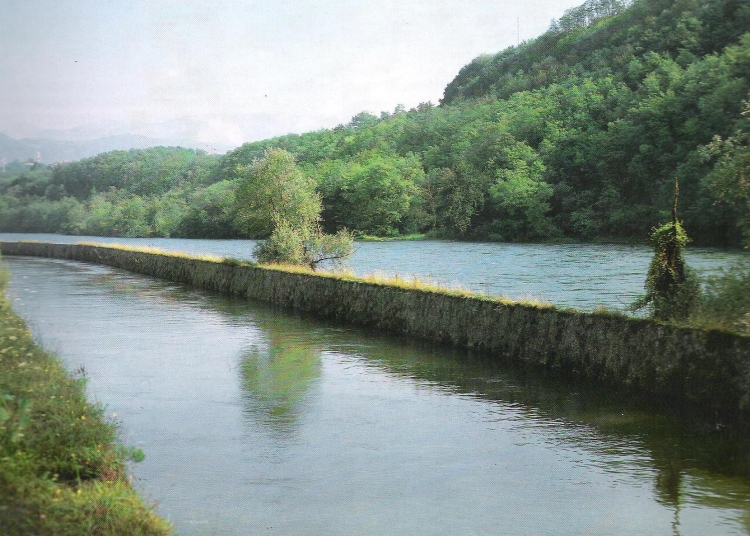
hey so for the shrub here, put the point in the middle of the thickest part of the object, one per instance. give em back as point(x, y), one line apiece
point(725, 301)
point(672, 290)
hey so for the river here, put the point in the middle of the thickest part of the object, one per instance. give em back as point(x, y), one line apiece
point(583, 276)
point(256, 420)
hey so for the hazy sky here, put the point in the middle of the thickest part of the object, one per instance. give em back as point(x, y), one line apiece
point(241, 69)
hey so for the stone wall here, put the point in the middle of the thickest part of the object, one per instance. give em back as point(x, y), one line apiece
point(708, 369)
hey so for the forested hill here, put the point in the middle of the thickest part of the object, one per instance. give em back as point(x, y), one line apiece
point(589, 40)
point(580, 133)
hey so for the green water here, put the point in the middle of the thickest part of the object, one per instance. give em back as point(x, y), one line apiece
point(259, 421)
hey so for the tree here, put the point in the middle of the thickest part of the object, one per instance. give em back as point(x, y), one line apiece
point(463, 195)
point(271, 190)
point(372, 193)
point(304, 246)
point(671, 289)
point(276, 201)
point(209, 212)
point(521, 196)
point(730, 177)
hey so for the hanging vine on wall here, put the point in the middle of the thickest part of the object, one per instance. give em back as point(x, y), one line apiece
point(672, 290)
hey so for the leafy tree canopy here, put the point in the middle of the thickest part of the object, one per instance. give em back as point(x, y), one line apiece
point(276, 201)
point(271, 190)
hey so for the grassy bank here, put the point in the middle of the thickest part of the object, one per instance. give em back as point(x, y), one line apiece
point(399, 238)
point(62, 471)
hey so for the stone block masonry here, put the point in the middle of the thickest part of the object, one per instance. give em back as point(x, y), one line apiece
point(705, 369)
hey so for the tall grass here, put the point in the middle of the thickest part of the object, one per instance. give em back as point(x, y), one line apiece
point(725, 301)
point(61, 470)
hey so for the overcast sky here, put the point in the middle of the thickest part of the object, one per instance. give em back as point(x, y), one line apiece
point(241, 69)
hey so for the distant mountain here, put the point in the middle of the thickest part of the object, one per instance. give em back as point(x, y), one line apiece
point(213, 134)
point(11, 149)
point(87, 132)
point(50, 150)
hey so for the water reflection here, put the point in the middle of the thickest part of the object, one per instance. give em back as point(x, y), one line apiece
point(277, 374)
point(320, 428)
point(629, 440)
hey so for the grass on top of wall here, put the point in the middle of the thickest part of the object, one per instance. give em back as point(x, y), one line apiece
point(414, 237)
point(397, 281)
point(62, 471)
point(154, 250)
point(710, 318)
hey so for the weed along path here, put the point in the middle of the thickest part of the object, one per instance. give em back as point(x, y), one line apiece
point(257, 420)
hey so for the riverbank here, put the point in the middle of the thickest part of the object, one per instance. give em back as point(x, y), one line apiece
point(701, 368)
point(62, 471)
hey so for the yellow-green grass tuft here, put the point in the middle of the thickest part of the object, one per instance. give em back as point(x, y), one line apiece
point(154, 251)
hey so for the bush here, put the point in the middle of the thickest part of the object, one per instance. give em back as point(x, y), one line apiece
point(308, 247)
point(672, 290)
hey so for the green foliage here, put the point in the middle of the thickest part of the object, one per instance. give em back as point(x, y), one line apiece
point(571, 134)
point(725, 301)
point(372, 193)
point(634, 95)
point(521, 197)
point(672, 290)
point(134, 454)
point(209, 212)
point(143, 172)
point(285, 245)
point(275, 200)
point(306, 247)
point(14, 418)
point(730, 177)
point(127, 193)
point(463, 195)
point(273, 190)
point(38, 215)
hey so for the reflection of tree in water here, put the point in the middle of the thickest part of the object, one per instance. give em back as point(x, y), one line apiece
point(667, 486)
point(701, 470)
point(277, 375)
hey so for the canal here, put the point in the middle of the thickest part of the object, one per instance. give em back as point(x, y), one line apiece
point(256, 420)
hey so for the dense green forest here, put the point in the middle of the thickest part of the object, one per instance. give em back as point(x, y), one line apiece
point(578, 134)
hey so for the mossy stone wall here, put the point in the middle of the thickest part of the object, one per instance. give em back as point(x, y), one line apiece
point(710, 369)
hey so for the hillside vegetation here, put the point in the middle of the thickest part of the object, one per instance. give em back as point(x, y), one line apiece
point(577, 134)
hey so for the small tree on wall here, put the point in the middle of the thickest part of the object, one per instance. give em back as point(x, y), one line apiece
point(672, 290)
point(277, 202)
point(308, 246)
